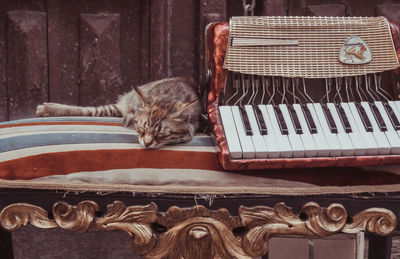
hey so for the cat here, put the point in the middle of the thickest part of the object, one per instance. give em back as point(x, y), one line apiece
point(162, 112)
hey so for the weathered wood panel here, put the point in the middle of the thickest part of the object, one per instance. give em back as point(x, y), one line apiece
point(326, 10)
point(182, 38)
point(63, 32)
point(145, 32)
point(27, 70)
point(158, 41)
point(134, 24)
point(274, 7)
point(174, 39)
point(65, 48)
point(210, 11)
point(390, 10)
point(3, 62)
point(5, 7)
point(100, 57)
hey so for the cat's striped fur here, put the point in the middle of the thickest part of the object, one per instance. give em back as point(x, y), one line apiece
point(162, 112)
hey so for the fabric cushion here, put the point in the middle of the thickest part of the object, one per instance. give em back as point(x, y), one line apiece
point(42, 147)
point(85, 153)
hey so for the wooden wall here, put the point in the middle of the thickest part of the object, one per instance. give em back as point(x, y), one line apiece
point(88, 52)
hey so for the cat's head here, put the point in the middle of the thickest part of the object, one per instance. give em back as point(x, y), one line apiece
point(160, 124)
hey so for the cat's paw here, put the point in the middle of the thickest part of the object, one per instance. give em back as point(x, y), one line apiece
point(129, 120)
point(44, 110)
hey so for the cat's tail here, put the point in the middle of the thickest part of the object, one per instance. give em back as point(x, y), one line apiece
point(56, 109)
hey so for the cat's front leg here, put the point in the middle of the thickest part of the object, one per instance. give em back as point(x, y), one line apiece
point(49, 110)
point(129, 122)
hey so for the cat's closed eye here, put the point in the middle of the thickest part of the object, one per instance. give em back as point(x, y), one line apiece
point(162, 136)
point(178, 132)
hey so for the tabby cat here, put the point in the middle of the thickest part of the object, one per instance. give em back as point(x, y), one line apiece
point(162, 112)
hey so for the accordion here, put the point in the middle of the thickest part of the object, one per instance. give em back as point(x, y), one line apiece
point(304, 91)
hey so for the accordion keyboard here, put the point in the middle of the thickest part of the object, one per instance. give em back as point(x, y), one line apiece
point(270, 118)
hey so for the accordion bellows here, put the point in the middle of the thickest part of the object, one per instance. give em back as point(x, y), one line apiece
point(312, 46)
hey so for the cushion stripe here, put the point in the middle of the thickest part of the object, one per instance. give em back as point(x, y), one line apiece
point(61, 123)
point(26, 152)
point(14, 131)
point(65, 119)
point(26, 141)
point(96, 160)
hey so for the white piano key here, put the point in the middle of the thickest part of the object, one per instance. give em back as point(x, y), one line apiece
point(367, 137)
point(260, 146)
point(295, 140)
point(395, 106)
point(232, 138)
point(360, 148)
point(310, 148)
point(394, 110)
point(319, 137)
point(334, 146)
point(245, 141)
point(343, 137)
point(283, 140)
point(381, 137)
point(392, 135)
point(272, 141)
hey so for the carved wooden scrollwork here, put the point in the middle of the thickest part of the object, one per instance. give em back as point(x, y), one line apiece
point(312, 220)
point(198, 232)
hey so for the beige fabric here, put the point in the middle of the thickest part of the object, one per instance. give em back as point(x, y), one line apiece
point(167, 177)
point(196, 182)
point(201, 189)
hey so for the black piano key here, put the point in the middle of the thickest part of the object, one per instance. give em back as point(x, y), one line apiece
point(378, 117)
point(392, 116)
point(245, 121)
point(309, 119)
point(364, 117)
point(343, 118)
point(329, 119)
point(295, 120)
point(260, 121)
point(281, 120)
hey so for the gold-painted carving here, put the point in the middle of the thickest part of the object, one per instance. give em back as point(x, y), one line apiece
point(313, 220)
point(18, 215)
point(134, 220)
point(375, 220)
point(75, 218)
point(198, 232)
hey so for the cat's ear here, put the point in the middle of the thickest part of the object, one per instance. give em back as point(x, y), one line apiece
point(183, 106)
point(142, 97)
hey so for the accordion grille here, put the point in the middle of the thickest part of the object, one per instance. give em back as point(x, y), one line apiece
point(306, 47)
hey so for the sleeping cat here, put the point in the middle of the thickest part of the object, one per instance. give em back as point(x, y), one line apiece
point(162, 112)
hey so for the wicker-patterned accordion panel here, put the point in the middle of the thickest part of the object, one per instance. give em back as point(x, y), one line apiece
point(312, 46)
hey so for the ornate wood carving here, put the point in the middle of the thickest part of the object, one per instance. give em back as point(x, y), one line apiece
point(198, 232)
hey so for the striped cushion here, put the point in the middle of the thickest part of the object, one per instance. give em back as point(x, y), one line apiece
point(53, 153)
point(42, 147)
